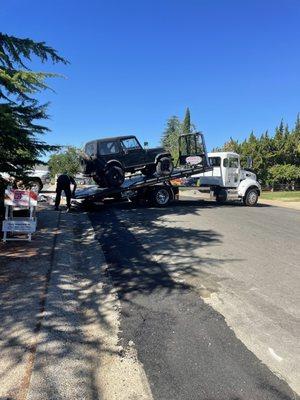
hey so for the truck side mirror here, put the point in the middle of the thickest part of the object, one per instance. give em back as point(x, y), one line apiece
point(249, 162)
point(146, 144)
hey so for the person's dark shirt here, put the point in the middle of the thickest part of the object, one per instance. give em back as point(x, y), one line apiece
point(64, 181)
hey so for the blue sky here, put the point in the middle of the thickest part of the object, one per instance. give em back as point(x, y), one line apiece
point(134, 63)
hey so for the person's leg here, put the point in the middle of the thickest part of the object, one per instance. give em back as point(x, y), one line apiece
point(68, 197)
point(58, 197)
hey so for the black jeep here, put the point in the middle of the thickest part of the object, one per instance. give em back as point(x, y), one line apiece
point(107, 160)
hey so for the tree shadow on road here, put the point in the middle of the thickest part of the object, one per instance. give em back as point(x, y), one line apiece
point(147, 253)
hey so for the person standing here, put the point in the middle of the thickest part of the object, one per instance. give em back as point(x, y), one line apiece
point(64, 183)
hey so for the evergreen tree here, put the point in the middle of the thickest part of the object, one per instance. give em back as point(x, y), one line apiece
point(186, 125)
point(297, 124)
point(20, 111)
point(276, 159)
point(171, 135)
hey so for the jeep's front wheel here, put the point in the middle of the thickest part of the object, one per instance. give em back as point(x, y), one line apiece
point(164, 166)
point(114, 176)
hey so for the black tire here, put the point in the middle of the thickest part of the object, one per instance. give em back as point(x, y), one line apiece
point(164, 166)
point(161, 196)
point(251, 197)
point(35, 185)
point(114, 176)
point(221, 196)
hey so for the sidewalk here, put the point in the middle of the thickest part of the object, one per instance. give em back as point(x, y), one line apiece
point(295, 205)
point(59, 318)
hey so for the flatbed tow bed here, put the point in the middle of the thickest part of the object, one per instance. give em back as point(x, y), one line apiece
point(140, 189)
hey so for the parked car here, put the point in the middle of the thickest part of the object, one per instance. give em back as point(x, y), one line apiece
point(34, 179)
point(37, 178)
point(107, 160)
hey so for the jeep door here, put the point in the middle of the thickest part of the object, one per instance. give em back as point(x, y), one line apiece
point(109, 150)
point(133, 153)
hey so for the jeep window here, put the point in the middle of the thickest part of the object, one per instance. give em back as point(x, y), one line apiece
point(130, 144)
point(90, 149)
point(106, 148)
point(233, 162)
point(215, 161)
point(225, 162)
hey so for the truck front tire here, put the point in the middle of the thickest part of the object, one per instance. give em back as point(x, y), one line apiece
point(251, 197)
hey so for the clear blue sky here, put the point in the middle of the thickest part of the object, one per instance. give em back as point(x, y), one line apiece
point(235, 63)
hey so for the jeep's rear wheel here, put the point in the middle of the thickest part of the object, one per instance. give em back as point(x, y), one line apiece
point(164, 166)
point(114, 176)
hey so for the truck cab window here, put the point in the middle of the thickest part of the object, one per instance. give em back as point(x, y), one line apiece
point(215, 161)
point(233, 162)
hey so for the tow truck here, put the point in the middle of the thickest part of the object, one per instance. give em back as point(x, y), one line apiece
point(226, 180)
point(157, 190)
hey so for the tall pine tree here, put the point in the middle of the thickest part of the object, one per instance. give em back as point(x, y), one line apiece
point(20, 111)
point(171, 135)
point(186, 125)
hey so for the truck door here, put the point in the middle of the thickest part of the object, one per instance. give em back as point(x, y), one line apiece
point(231, 166)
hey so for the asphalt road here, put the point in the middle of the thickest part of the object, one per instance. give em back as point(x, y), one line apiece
point(209, 297)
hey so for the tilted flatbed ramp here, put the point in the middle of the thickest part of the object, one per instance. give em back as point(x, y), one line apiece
point(133, 183)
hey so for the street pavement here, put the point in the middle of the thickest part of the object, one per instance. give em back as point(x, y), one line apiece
point(209, 297)
point(195, 301)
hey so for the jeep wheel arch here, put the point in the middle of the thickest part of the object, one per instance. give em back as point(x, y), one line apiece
point(115, 163)
point(160, 155)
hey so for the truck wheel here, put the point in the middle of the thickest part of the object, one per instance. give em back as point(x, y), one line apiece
point(35, 185)
point(164, 166)
point(161, 196)
point(114, 176)
point(221, 196)
point(251, 197)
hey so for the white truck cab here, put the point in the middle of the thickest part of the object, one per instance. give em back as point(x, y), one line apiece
point(228, 181)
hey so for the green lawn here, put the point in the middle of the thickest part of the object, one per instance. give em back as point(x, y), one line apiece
point(282, 196)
